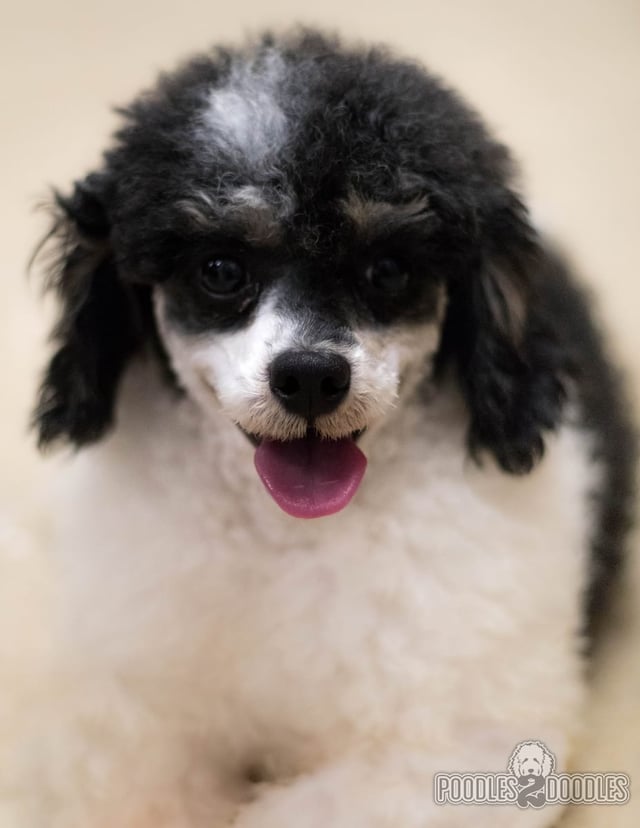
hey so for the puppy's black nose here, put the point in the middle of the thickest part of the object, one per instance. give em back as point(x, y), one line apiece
point(310, 383)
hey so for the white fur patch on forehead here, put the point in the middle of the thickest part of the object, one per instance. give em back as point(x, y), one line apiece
point(243, 118)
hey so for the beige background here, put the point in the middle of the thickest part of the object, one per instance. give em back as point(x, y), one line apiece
point(559, 80)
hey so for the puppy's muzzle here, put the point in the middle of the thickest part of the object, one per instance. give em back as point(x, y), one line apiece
point(310, 383)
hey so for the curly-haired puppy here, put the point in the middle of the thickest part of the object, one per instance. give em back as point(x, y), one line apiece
point(300, 286)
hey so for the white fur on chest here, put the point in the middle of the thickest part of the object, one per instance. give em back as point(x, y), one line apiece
point(444, 598)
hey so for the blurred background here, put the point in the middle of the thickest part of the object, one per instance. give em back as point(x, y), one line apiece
point(558, 80)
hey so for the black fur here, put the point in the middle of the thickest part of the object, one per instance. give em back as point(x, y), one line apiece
point(510, 361)
point(104, 321)
point(517, 331)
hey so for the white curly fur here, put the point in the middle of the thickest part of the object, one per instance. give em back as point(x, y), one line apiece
point(222, 664)
point(243, 118)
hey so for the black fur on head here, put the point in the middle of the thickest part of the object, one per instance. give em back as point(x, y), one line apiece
point(349, 122)
point(101, 324)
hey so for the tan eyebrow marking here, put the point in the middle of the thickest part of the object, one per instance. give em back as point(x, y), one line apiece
point(373, 218)
point(245, 211)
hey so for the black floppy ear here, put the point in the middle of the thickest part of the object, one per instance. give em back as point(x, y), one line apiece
point(499, 332)
point(99, 326)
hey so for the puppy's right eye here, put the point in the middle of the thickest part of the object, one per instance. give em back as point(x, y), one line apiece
point(223, 278)
point(387, 275)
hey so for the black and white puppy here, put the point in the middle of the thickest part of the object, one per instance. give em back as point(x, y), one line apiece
point(302, 286)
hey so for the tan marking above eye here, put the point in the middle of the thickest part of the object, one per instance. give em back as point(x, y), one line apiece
point(246, 211)
point(370, 218)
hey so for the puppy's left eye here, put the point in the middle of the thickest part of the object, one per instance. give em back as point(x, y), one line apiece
point(387, 275)
point(223, 278)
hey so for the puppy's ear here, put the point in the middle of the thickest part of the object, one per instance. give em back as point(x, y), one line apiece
point(99, 326)
point(500, 335)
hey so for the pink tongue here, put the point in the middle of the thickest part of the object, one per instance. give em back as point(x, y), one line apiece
point(310, 478)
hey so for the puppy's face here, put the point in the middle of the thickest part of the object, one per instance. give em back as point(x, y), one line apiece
point(302, 328)
point(305, 230)
point(288, 336)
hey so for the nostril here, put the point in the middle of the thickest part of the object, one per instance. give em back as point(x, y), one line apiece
point(333, 387)
point(287, 386)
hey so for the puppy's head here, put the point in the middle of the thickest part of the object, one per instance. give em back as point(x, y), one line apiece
point(306, 232)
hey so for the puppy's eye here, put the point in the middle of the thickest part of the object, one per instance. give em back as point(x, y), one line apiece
point(387, 275)
point(222, 277)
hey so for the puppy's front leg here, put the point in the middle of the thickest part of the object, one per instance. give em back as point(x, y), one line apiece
point(395, 791)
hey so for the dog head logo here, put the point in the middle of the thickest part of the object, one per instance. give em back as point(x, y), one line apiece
point(531, 758)
point(531, 762)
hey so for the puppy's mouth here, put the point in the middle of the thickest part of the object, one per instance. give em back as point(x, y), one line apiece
point(312, 476)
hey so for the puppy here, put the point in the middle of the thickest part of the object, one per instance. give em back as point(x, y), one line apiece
point(355, 473)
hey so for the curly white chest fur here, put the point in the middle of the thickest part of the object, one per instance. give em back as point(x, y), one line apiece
point(440, 612)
